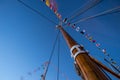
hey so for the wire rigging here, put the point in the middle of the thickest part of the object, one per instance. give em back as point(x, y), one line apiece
point(110, 11)
point(112, 65)
point(85, 8)
point(58, 58)
point(34, 10)
point(106, 74)
point(82, 10)
point(50, 58)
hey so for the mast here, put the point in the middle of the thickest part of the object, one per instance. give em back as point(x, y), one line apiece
point(89, 70)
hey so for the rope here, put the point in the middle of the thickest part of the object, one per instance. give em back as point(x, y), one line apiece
point(106, 74)
point(85, 8)
point(110, 11)
point(58, 57)
point(34, 10)
point(113, 66)
point(60, 72)
point(50, 58)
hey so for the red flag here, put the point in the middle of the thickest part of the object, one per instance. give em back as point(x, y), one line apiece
point(73, 26)
point(98, 44)
point(69, 24)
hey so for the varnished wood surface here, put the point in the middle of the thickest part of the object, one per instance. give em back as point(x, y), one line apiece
point(89, 69)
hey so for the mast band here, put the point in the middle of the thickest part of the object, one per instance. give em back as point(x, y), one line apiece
point(77, 47)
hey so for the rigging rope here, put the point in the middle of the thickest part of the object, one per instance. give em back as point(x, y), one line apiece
point(58, 57)
point(110, 11)
point(106, 74)
point(52, 53)
point(84, 8)
point(34, 10)
point(112, 65)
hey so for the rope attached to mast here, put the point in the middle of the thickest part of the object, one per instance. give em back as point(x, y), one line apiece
point(58, 58)
point(85, 8)
point(51, 55)
point(36, 11)
point(110, 11)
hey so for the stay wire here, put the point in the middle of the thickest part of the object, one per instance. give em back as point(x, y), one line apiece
point(106, 74)
point(52, 52)
point(36, 11)
point(58, 58)
point(110, 11)
point(113, 66)
point(85, 8)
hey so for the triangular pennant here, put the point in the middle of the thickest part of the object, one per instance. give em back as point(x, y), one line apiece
point(69, 24)
point(87, 35)
point(77, 29)
point(97, 44)
point(48, 3)
point(90, 38)
point(51, 6)
point(73, 26)
point(59, 16)
point(55, 11)
point(65, 20)
point(82, 32)
point(93, 41)
point(104, 51)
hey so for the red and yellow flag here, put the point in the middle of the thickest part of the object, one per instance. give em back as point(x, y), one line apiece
point(48, 3)
point(53, 6)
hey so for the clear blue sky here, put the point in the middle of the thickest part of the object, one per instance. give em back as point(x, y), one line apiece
point(26, 38)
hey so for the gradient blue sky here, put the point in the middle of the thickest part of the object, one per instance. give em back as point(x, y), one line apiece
point(26, 38)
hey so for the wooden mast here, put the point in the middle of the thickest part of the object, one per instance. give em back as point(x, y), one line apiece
point(88, 69)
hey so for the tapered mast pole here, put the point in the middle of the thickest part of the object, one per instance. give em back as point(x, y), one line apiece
point(88, 69)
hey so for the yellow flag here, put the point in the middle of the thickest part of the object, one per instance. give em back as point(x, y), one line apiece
point(48, 3)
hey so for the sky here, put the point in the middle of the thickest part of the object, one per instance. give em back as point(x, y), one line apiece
point(27, 38)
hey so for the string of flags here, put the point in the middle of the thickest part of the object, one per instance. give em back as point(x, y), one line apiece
point(35, 70)
point(85, 34)
point(30, 73)
point(41, 68)
point(53, 6)
point(90, 38)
